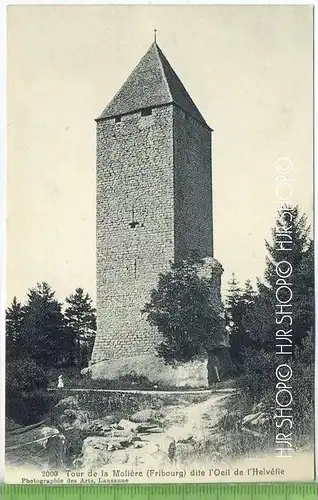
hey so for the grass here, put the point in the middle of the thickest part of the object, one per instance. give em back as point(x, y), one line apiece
point(74, 380)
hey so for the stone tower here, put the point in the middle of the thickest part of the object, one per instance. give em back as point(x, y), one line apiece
point(154, 205)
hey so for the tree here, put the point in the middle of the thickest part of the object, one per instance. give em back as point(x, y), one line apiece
point(43, 332)
point(290, 242)
point(304, 295)
point(298, 250)
point(182, 309)
point(80, 318)
point(233, 315)
point(27, 400)
point(14, 321)
point(303, 366)
point(237, 302)
point(259, 318)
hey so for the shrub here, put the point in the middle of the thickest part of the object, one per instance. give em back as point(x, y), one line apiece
point(184, 309)
point(25, 375)
point(303, 391)
point(258, 374)
point(27, 400)
point(128, 381)
point(257, 384)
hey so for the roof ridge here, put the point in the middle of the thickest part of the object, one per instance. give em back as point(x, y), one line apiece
point(152, 83)
point(189, 100)
point(158, 50)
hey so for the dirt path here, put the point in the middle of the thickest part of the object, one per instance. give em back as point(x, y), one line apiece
point(186, 429)
point(183, 429)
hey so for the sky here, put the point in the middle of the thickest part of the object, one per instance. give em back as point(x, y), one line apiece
point(247, 68)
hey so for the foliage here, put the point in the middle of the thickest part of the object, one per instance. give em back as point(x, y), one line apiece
point(304, 295)
point(40, 330)
point(257, 384)
point(43, 326)
point(80, 318)
point(237, 303)
point(291, 228)
point(257, 381)
point(25, 375)
point(234, 443)
point(27, 400)
point(128, 381)
point(258, 374)
point(182, 310)
point(304, 389)
point(259, 318)
point(14, 322)
point(39, 337)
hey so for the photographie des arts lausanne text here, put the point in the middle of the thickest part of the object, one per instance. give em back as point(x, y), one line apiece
point(160, 320)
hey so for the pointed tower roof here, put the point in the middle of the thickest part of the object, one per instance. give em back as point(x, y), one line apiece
point(152, 83)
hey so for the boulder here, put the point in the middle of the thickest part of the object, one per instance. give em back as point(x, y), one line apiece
point(152, 454)
point(256, 423)
point(124, 434)
point(99, 425)
point(47, 433)
point(248, 418)
point(110, 442)
point(69, 402)
point(110, 419)
point(127, 425)
point(55, 447)
point(180, 434)
point(150, 430)
point(73, 418)
point(96, 453)
point(93, 429)
point(145, 416)
point(138, 444)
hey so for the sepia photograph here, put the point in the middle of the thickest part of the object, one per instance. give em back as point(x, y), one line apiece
point(160, 304)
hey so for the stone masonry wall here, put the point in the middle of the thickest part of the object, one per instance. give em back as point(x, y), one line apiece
point(154, 205)
point(192, 186)
point(134, 185)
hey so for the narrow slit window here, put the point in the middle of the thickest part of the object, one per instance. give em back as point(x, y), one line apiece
point(133, 222)
point(117, 119)
point(135, 268)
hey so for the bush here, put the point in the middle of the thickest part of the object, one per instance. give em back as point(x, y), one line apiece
point(25, 375)
point(128, 381)
point(258, 375)
point(27, 400)
point(257, 384)
point(184, 309)
point(304, 391)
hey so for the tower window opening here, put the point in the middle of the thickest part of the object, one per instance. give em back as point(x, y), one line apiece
point(135, 268)
point(146, 112)
point(133, 222)
point(117, 119)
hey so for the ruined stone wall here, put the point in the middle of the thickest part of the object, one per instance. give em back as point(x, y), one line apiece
point(192, 186)
point(134, 185)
